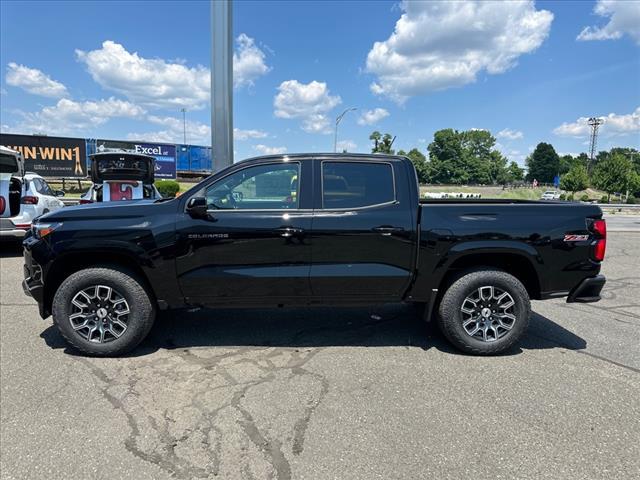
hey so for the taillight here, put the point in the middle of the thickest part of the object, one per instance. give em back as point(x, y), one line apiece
point(599, 228)
point(84, 201)
point(29, 200)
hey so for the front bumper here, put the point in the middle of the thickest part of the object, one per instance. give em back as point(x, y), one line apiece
point(32, 284)
point(588, 290)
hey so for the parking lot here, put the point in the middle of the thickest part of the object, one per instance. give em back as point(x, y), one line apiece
point(328, 393)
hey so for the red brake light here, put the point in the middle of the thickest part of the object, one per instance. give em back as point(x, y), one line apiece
point(29, 200)
point(600, 229)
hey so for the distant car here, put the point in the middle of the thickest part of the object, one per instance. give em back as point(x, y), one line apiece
point(23, 196)
point(550, 195)
point(120, 176)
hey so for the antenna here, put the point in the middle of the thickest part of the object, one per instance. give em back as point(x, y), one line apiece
point(594, 123)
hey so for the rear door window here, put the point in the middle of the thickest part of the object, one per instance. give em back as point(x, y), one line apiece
point(356, 184)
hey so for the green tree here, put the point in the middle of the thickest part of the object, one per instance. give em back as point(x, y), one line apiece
point(616, 173)
point(543, 164)
point(465, 157)
point(381, 143)
point(575, 179)
point(446, 154)
point(514, 173)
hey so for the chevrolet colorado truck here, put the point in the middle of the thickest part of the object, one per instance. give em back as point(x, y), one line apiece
point(311, 229)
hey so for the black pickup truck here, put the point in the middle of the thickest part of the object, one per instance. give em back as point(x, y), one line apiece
point(314, 229)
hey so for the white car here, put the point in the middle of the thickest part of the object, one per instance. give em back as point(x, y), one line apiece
point(23, 196)
point(550, 195)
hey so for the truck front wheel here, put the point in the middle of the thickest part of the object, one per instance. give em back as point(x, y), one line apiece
point(484, 312)
point(103, 311)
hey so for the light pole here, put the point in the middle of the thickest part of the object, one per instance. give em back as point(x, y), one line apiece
point(184, 125)
point(221, 83)
point(338, 120)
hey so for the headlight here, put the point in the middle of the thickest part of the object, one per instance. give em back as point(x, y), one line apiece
point(41, 230)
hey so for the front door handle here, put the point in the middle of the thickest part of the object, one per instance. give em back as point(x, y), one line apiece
point(387, 230)
point(288, 232)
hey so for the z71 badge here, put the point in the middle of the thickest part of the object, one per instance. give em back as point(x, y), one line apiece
point(576, 238)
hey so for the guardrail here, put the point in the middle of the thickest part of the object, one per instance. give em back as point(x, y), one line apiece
point(630, 206)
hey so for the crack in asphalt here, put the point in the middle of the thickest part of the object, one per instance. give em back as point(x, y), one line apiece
point(194, 448)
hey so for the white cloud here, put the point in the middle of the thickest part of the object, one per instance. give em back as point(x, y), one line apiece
point(159, 83)
point(248, 62)
point(438, 45)
point(239, 134)
point(69, 116)
point(624, 18)
point(510, 134)
point(309, 102)
point(34, 81)
point(346, 145)
point(173, 131)
point(614, 125)
point(371, 117)
point(151, 82)
point(265, 150)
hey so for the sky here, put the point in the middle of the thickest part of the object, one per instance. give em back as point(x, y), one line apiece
point(526, 71)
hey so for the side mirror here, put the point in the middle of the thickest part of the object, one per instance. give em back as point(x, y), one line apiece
point(58, 193)
point(197, 207)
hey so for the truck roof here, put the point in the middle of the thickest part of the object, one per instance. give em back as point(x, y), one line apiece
point(383, 157)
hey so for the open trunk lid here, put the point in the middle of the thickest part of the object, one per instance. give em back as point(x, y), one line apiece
point(11, 162)
point(113, 166)
point(11, 173)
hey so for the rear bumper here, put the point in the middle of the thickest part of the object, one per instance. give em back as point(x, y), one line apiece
point(588, 290)
point(16, 234)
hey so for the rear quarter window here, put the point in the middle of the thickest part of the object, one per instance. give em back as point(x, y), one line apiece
point(356, 184)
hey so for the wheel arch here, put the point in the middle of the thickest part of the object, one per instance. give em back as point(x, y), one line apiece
point(513, 263)
point(69, 263)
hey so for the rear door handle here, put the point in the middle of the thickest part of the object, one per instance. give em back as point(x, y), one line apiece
point(387, 230)
point(288, 232)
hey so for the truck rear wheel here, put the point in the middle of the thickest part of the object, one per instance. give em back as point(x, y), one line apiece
point(103, 311)
point(484, 312)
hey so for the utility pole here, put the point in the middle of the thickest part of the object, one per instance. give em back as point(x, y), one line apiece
point(594, 123)
point(338, 120)
point(221, 84)
point(184, 125)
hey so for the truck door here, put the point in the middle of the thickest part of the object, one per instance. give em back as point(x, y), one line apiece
point(254, 247)
point(363, 229)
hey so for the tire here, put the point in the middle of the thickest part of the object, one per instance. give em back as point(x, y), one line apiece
point(123, 301)
point(458, 316)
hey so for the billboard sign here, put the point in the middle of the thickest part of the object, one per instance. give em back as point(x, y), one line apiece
point(165, 155)
point(49, 156)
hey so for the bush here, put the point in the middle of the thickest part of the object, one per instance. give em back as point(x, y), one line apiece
point(632, 200)
point(570, 197)
point(584, 198)
point(168, 188)
point(562, 196)
point(604, 199)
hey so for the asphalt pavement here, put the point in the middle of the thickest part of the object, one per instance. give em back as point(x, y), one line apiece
point(327, 394)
